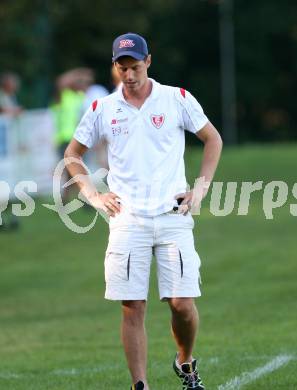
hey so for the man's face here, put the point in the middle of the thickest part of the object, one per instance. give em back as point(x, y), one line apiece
point(133, 73)
point(11, 85)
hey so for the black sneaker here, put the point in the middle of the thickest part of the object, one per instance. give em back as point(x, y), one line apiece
point(139, 386)
point(189, 376)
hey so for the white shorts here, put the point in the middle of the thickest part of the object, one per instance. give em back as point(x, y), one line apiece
point(133, 240)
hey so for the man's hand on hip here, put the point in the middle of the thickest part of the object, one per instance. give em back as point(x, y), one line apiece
point(108, 202)
point(185, 205)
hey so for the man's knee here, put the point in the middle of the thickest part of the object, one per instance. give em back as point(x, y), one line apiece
point(183, 307)
point(134, 311)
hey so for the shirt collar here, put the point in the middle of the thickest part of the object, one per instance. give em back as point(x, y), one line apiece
point(153, 95)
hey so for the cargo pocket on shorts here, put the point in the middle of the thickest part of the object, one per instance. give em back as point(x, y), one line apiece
point(181, 262)
point(189, 261)
point(117, 266)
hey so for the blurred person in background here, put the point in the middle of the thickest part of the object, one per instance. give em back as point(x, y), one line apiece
point(101, 148)
point(9, 86)
point(76, 90)
point(115, 78)
point(94, 92)
point(70, 91)
point(67, 110)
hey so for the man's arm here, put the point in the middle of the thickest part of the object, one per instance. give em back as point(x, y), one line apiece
point(211, 154)
point(76, 168)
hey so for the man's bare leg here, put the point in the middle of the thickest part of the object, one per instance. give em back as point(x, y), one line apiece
point(134, 339)
point(184, 325)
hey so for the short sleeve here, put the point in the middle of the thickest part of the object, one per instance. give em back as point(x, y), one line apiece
point(193, 116)
point(88, 131)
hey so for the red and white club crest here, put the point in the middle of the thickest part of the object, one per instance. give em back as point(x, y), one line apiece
point(158, 120)
point(126, 43)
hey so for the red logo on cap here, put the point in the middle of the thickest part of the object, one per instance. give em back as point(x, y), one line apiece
point(158, 120)
point(126, 43)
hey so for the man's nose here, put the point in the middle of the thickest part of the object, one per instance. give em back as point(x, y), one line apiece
point(129, 74)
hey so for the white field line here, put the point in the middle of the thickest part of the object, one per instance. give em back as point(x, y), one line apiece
point(60, 372)
point(214, 360)
point(10, 375)
point(247, 377)
point(81, 371)
point(235, 383)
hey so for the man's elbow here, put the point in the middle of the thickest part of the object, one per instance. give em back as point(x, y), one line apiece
point(71, 151)
point(75, 149)
point(68, 152)
point(215, 139)
point(219, 140)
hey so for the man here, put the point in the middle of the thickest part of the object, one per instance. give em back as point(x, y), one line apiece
point(115, 78)
point(68, 109)
point(9, 85)
point(144, 123)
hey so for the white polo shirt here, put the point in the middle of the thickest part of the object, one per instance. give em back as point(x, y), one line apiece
point(145, 146)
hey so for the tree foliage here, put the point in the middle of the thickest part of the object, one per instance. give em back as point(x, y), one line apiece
point(40, 39)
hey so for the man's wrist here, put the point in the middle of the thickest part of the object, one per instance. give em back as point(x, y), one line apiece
point(90, 195)
point(202, 184)
point(202, 180)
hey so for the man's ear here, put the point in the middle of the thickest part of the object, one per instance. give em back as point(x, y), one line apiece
point(148, 61)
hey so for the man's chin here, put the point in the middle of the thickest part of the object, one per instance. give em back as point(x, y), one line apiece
point(132, 86)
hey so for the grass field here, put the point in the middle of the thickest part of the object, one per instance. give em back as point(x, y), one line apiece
point(58, 333)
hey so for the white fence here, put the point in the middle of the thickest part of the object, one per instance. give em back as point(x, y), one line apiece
point(27, 150)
